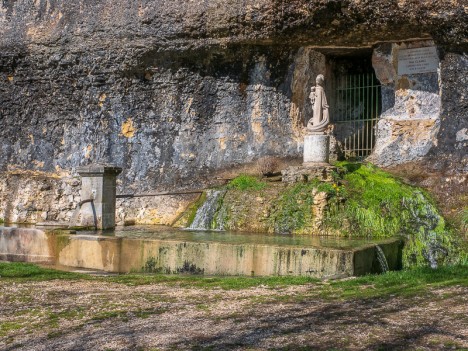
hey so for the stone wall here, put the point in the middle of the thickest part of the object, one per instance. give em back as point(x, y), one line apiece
point(34, 197)
point(450, 152)
point(411, 105)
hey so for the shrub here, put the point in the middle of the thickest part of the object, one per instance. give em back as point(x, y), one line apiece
point(267, 165)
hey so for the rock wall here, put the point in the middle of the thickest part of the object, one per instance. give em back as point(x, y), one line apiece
point(175, 91)
point(31, 197)
point(450, 153)
point(411, 104)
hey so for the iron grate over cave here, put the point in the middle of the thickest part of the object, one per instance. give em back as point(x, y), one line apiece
point(356, 112)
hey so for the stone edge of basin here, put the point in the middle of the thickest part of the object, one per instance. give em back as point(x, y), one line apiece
point(113, 238)
point(363, 256)
point(34, 257)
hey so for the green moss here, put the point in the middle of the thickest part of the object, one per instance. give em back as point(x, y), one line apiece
point(463, 219)
point(62, 240)
point(246, 182)
point(2, 220)
point(292, 212)
point(222, 218)
point(221, 215)
point(187, 217)
point(379, 205)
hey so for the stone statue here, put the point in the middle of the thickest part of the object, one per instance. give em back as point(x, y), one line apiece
point(320, 119)
point(316, 141)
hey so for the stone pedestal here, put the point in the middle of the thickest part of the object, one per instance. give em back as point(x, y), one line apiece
point(316, 149)
point(98, 182)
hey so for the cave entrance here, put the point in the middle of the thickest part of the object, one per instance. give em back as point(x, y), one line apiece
point(356, 105)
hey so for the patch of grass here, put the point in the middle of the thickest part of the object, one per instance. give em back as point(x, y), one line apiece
point(402, 283)
point(226, 283)
point(146, 313)
point(101, 316)
point(246, 182)
point(32, 272)
point(68, 314)
point(373, 205)
point(54, 334)
point(8, 327)
point(202, 307)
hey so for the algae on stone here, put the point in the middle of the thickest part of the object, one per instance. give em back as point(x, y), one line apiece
point(187, 217)
point(379, 205)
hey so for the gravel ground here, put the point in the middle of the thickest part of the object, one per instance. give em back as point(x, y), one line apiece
point(99, 315)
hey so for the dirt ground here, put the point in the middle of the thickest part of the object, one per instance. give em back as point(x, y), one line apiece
point(100, 315)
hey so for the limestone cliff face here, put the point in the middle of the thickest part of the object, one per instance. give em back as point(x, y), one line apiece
point(148, 25)
point(172, 91)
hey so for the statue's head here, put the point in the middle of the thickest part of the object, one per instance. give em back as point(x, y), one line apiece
point(320, 79)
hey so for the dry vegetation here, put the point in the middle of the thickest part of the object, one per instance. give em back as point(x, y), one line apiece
point(398, 311)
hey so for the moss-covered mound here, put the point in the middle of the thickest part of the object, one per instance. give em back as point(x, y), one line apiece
point(363, 201)
point(375, 204)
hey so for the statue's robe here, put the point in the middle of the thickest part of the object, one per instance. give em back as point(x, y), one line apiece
point(320, 106)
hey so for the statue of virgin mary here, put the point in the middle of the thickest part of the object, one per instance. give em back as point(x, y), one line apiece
point(320, 119)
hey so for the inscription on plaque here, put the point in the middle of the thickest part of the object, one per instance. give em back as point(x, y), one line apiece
point(420, 60)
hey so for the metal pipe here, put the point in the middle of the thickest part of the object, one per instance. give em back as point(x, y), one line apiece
point(123, 196)
point(354, 115)
point(371, 113)
point(368, 131)
point(358, 145)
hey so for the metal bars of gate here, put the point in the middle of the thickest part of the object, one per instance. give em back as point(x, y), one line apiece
point(357, 110)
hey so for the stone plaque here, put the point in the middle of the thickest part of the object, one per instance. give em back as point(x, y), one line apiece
point(420, 60)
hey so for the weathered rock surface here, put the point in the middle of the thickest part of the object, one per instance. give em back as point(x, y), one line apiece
point(172, 91)
point(34, 197)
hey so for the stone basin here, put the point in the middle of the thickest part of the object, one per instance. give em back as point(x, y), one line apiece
point(168, 250)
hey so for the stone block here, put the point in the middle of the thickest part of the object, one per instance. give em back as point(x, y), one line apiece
point(99, 184)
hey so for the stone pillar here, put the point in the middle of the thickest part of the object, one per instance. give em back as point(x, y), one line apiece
point(316, 149)
point(98, 182)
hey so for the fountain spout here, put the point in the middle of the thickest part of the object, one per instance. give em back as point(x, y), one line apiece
point(74, 218)
point(382, 259)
